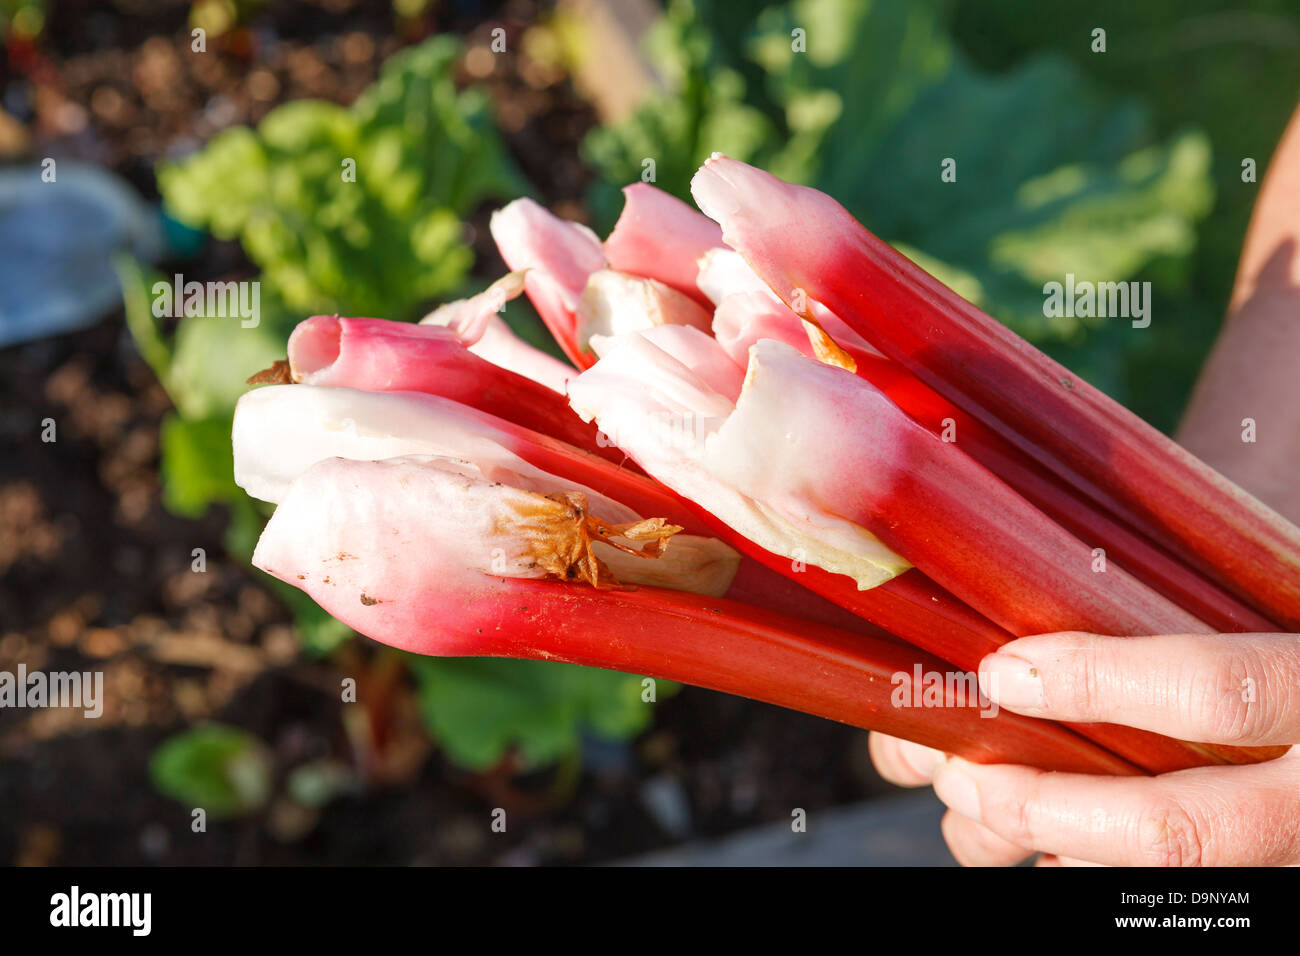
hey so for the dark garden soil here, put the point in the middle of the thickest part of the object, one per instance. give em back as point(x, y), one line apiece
point(95, 573)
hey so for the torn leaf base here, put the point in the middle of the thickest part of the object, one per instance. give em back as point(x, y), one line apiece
point(559, 533)
point(278, 374)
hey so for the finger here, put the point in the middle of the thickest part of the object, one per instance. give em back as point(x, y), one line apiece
point(902, 762)
point(973, 844)
point(1241, 689)
point(1214, 816)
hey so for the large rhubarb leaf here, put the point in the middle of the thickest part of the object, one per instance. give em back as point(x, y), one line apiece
point(1032, 202)
point(1039, 190)
point(1193, 63)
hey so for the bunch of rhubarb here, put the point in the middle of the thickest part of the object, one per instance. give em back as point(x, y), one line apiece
point(784, 463)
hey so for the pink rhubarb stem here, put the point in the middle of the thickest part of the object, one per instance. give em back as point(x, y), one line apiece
point(956, 521)
point(281, 431)
point(660, 237)
point(481, 329)
point(557, 258)
point(384, 356)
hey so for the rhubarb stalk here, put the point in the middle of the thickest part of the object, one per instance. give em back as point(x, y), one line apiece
point(615, 303)
point(379, 355)
point(815, 463)
point(425, 555)
point(806, 246)
point(481, 330)
point(557, 258)
point(741, 320)
point(775, 468)
point(660, 237)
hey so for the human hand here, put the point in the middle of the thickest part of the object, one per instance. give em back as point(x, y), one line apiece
point(1234, 689)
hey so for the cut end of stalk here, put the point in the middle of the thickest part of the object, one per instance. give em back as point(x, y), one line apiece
point(718, 186)
point(314, 345)
point(617, 303)
point(758, 464)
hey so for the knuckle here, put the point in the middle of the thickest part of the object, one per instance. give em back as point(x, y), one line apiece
point(1170, 835)
point(1012, 817)
point(1083, 681)
point(1277, 687)
point(1093, 679)
point(1231, 699)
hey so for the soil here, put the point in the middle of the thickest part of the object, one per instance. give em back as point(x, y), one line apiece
point(96, 574)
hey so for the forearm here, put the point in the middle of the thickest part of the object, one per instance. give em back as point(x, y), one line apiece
point(1254, 369)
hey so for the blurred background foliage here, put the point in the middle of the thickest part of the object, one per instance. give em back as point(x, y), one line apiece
point(1117, 165)
point(881, 98)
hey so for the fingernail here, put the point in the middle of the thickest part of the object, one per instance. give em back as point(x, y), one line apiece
point(957, 790)
point(1011, 681)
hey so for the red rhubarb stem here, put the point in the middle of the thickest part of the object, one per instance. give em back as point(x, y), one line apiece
point(807, 246)
point(1075, 512)
point(917, 610)
point(725, 646)
point(736, 649)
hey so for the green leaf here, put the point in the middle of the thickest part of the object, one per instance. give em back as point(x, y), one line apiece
point(213, 358)
point(355, 210)
point(219, 187)
point(480, 708)
point(1039, 191)
point(864, 66)
point(224, 770)
point(424, 138)
point(197, 464)
point(136, 283)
